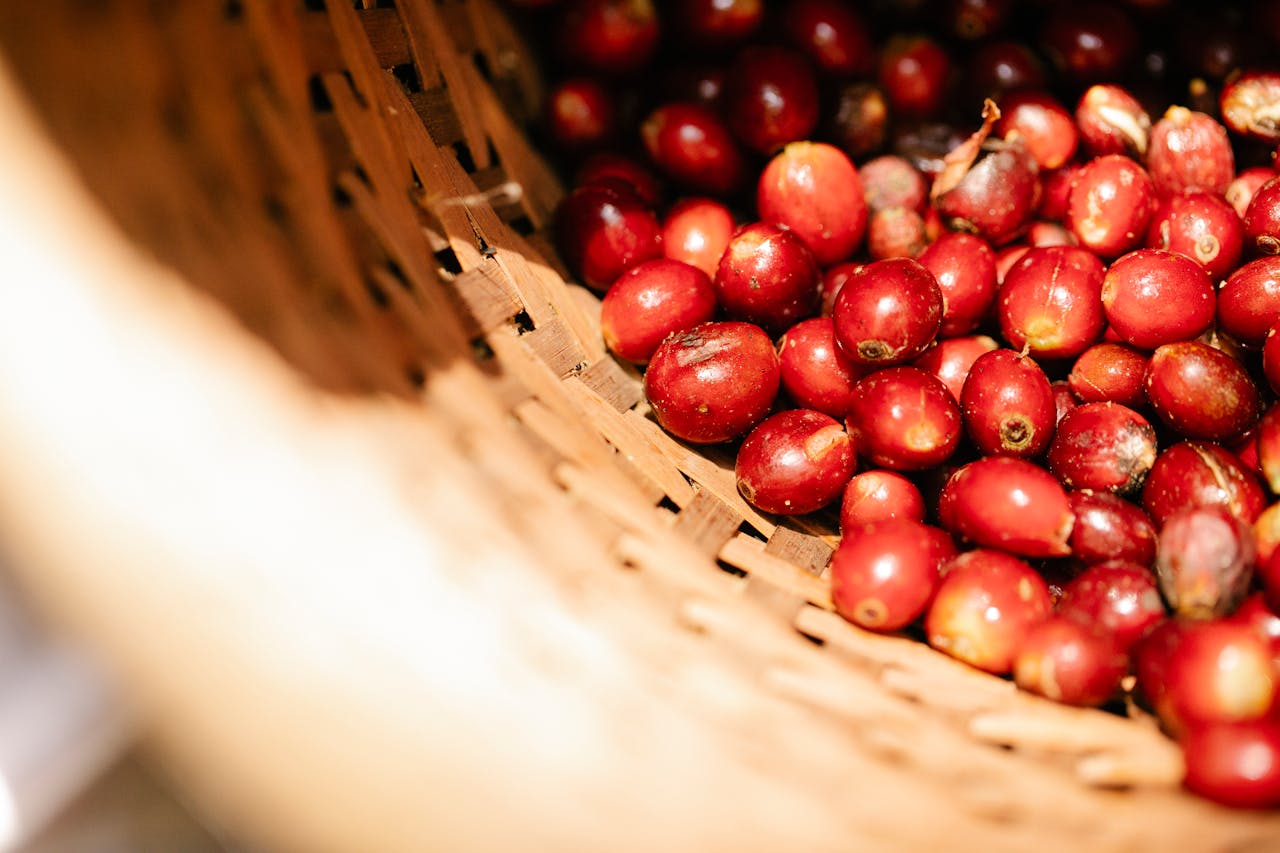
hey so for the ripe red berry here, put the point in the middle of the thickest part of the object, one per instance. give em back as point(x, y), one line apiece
point(1201, 226)
point(1109, 527)
point(770, 97)
point(813, 189)
point(1190, 150)
point(1067, 661)
point(884, 574)
point(914, 72)
point(794, 462)
point(697, 231)
point(904, 419)
point(987, 602)
point(1202, 392)
point(691, 144)
point(1008, 503)
point(1235, 764)
point(878, 495)
point(1119, 597)
point(950, 359)
point(816, 374)
point(767, 276)
point(1197, 473)
point(1153, 297)
point(1050, 302)
point(1110, 205)
point(1109, 372)
point(602, 230)
point(965, 269)
point(1112, 121)
point(713, 382)
point(888, 312)
point(650, 301)
point(1249, 301)
point(1008, 405)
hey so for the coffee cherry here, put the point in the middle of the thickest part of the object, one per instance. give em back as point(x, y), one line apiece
point(713, 382)
point(794, 462)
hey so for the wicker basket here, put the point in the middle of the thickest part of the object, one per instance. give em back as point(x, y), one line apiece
point(307, 434)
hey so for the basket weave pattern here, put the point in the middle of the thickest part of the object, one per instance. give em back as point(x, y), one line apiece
point(353, 185)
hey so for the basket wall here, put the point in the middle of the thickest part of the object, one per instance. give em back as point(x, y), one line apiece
point(330, 219)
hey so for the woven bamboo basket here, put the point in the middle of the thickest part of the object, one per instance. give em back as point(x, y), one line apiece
point(309, 437)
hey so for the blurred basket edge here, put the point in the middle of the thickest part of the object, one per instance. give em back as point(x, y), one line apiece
point(305, 437)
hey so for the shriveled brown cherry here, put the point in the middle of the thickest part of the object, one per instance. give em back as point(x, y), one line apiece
point(813, 189)
point(714, 382)
point(1202, 392)
point(1199, 473)
point(770, 97)
point(696, 230)
point(950, 359)
point(1190, 150)
point(1046, 126)
point(794, 462)
point(1205, 671)
point(832, 33)
point(1104, 447)
point(1067, 661)
point(1110, 372)
point(1008, 406)
point(878, 495)
point(1008, 503)
point(888, 312)
point(987, 602)
point(1050, 302)
point(815, 373)
point(1235, 764)
point(1112, 121)
point(767, 276)
point(1262, 219)
point(1110, 205)
point(904, 419)
point(692, 145)
point(1204, 561)
point(1119, 597)
point(650, 301)
point(1108, 527)
point(603, 229)
point(1153, 297)
point(884, 574)
point(965, 268)
point(913, 71)
point(1249, 301)
point(1202, 226)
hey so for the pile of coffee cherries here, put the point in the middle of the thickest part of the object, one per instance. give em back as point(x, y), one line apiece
point(995, 284)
